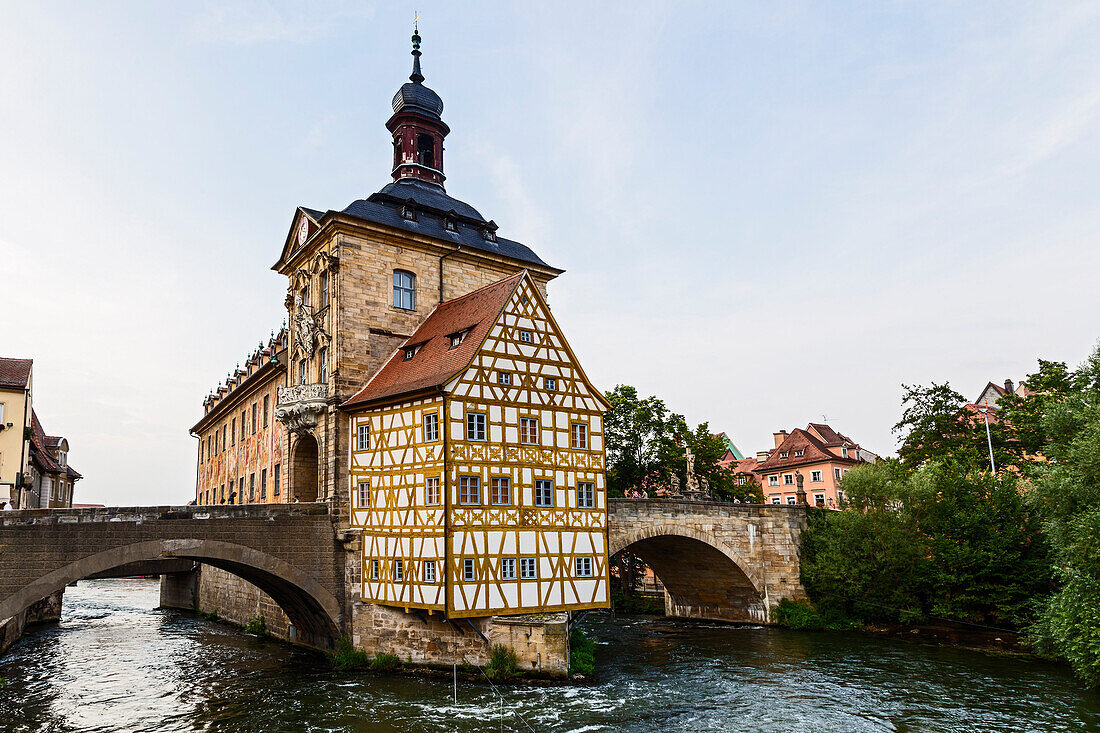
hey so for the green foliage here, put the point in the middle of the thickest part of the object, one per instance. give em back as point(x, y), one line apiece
point(582, 653)
point(211, 616)
point(256, 625)
point(936, 425)
point(503, 664)
point(346, 657)
point(943, 541)
point(384, 662)
point(645, 445)
point(631, 603)
point(1066, 492)
point(804, 617)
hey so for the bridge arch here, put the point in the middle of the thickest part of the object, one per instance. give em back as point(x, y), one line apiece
point(704, 576)
point(314, 611)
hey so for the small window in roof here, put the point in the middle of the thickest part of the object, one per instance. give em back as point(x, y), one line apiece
point(408, 213)
point(450, 224)
point(456, 339)
point(490, 235)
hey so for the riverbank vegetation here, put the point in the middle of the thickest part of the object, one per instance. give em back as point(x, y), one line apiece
point(937, 535)
point(582, 653)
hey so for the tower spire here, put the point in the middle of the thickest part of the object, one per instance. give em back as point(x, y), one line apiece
point(416, 77)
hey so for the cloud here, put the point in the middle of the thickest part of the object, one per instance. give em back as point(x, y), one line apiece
point(247, 24)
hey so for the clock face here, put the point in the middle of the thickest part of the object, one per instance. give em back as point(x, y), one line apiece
point(303, 231)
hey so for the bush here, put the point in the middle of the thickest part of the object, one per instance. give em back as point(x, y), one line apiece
point(212, 616)
point(503, 664)
point(346, 656)
point(582, 653)
point(256, 625)
point(804, 617)
point(384, 662)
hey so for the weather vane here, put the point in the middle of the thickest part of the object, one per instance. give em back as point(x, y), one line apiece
point(416, 20)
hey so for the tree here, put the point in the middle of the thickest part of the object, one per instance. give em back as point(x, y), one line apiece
point(1023, 417)
point(936, 424)
point(633, 431)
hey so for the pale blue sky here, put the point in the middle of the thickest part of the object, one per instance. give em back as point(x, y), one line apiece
point(769, 213)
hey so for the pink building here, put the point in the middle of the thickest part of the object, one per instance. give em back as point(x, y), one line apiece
point(820, 454)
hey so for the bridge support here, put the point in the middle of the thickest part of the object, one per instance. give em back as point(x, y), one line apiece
point(180, 590)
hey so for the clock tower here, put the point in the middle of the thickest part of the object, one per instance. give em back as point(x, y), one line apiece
point(417, 128)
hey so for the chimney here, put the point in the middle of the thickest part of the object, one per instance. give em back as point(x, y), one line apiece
point(761, 456)
point(1008, 386)
point(779, 437)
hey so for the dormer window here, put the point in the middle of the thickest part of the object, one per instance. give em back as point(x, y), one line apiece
point(411, 351)
point(408, 213)
point(798, 453)
point(450, 224)
point(490, 235)
point(783, 454)
point(844, 451)
point(456, 339)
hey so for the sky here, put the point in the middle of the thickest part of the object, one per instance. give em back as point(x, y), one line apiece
point(768, 213)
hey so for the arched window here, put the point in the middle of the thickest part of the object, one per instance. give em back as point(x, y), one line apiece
point(425, 150)
point(404, 290)
point(396, 152)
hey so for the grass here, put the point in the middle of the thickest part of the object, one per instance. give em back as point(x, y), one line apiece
point(345, 656)
point(212, 616)
point(582, 653)
point(503, 664)
point(256, 625)
point(803, 616)
point(384, 662)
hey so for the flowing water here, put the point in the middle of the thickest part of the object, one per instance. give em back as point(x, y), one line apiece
point(114, 663)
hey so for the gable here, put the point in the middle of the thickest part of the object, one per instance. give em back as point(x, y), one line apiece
point(303, 225)
point(547, 355)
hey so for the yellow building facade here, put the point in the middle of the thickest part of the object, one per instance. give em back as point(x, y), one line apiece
point(477, 467)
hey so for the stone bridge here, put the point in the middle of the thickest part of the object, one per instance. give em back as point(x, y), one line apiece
point(721, 561)
point(289, 551)
point(729, 562)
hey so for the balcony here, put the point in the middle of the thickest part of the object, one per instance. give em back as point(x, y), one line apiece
point(300, 407)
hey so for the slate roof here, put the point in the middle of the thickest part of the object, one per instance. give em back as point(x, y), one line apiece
point(432, 206)
point(39, 451)
point(435, 363)
point(15, 373)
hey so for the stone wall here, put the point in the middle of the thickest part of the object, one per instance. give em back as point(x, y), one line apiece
point(238, 601)
point(731, 562)
point(47, 610)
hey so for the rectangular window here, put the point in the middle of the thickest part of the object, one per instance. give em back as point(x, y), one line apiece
point(584, 567)
point(233, 433)
point(550, 384)
point(529, 430)
point(398, 570)
point(263, 483)
point(469, 571)
point(324, 365)
point(224, 428)
point(364, 494)
point(277, 487)
point(303, 376)
point(242, 426)
point(267, 405)
point(528, 570)
point(255, 426)
point(504, 378)
point(773, 480)
point(836, 473)
point(819, 500)
point(475, 426)
point(429, 571)
point(240, 491)
point(788, 479)
point(508, 568)
point(525, 336)
point(469, 490)
point(790, 500)
point(252, 487)
point(839, 495)
point(431, 427)
point(432, 494)
point(776, 500)
point(404, 290)
point(500, 491)
point(374, 570)
point(324, 288)
point(815, 477)
point(578, 436)
point(362, 436)
point(798, 453)
point(586, 495)
point(544, 492)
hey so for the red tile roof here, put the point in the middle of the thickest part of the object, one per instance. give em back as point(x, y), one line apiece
point(828, 435)
point(745, 465)
point(435, 362)
point(814, 450)
point(15, 373)
point(39, 452)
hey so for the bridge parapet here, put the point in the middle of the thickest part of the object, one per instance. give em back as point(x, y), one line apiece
point(159, 513)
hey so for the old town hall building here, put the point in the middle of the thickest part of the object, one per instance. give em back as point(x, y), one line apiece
point(423, 389)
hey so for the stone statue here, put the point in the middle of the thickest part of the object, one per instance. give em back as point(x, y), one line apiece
point(304, 325)
point(801, 493)
point(692, 481)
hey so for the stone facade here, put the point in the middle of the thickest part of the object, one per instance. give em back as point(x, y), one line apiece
point(728, 562)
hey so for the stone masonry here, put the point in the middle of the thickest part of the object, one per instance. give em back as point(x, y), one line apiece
point(728, 562)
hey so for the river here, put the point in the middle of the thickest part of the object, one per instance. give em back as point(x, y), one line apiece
point(115, 663)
